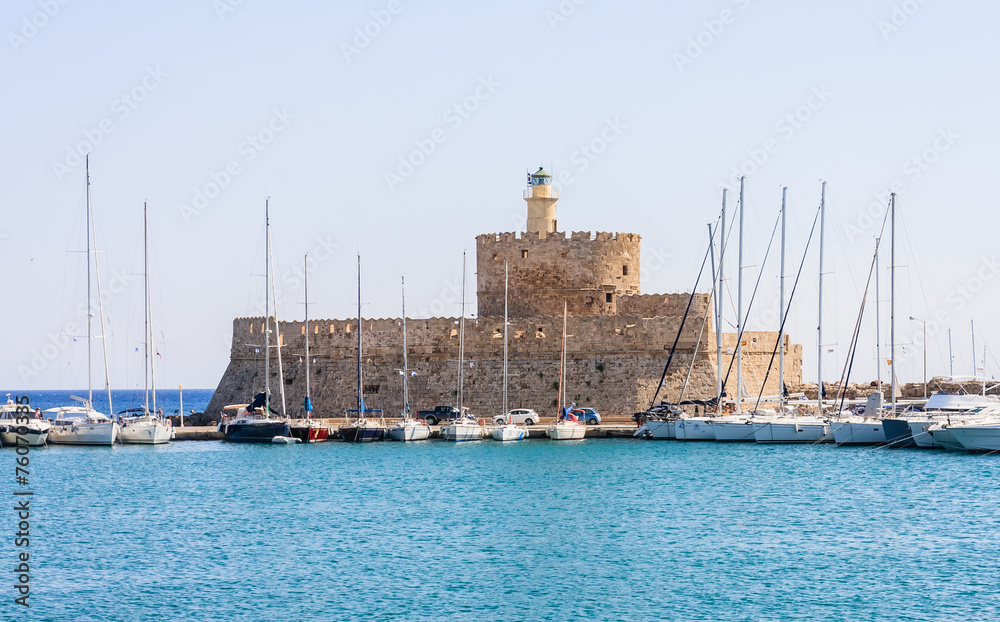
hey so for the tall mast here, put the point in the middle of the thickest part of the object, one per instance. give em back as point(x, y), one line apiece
point(277, 337)
point(878, 320)
point(819, 329)
point(90, 308)
point(781, 308)
point(461, 343)
point(562, 365)
point(267, 307)
point(506, 281)
point(361, 400)
point(718, 305)
point(100, 300)
point(406, 372)
point(739, 311)
point(951, 357)
point(892, 307)
point(714, 300)
point(305, 276)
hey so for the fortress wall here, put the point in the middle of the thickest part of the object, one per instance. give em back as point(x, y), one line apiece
point(581, 269)
point(613, 363)
point(669, 305)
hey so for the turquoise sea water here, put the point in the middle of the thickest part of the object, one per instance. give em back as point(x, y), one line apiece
point(536, 530)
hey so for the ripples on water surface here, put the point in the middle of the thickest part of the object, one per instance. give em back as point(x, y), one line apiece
point(597, 530)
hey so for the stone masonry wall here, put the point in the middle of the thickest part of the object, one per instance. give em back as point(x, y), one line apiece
point(613, 363)
point(590, 271)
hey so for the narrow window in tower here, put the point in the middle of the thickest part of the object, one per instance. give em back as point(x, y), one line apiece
point(495, 257)
point(624, 270)
point(524, 254)
point(608, 297)
point(303, 329)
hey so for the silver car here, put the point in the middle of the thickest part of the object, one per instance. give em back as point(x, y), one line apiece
point(520, 416)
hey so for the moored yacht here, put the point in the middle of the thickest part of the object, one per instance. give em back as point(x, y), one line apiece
point(981, 436)
point(81, 425)
point(787, 430)
point(32, 432)
point(694, 429)
point(138, 426)
point(739, 428)
point(408, 429)
point(252, 423)
point(465, 428)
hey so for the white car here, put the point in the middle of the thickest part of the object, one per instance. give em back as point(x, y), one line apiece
point(521, 416)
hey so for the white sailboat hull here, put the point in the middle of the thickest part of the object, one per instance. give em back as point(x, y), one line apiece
point(858, 433)
point(407, 433)
point(694, 430)
point(145, 433)
point(661, 430)
point(458, 433)
point(84, 433)
point(510, 432)
point(734, 432)
point(792, 432)
point(566, 431)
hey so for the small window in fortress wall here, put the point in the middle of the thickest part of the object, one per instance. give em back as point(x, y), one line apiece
point(347, 328)
point(609, 297)
point(331, 329)
point(524, 254)
point(316, 329)
point(454, 333)
point(624, 270)
point(495, 257)
point(303, 329)
point(539, 333)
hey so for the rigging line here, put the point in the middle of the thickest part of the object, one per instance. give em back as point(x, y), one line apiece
point(680, 329)
point(739, 337)
point(845, 376)
point(791, 297)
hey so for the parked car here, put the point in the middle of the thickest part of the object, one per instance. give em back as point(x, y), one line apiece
point(439, 414)
point(520, 416)
point(587, 415)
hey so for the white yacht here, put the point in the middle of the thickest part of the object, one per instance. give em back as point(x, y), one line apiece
point(567, 430)
point(854, 430)
point(465, 428)
point(739, 428)
point(34, 431)
point(980, 436)
point(938, 410)
point(408, 429)
point(144, 428)
point(81, 425)
point(506, 429)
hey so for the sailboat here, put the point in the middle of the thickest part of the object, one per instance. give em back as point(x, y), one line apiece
point(142, 426)
point(362, 429)
point(567, 427)
point(81, 424)
point(308, 430)
point(507, 431)
point(255, 422)
point(465, 427)
point(409, 429)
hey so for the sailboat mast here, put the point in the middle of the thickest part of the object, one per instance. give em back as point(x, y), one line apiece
point(461, 343)
point(277, 337)
point(267, 307)
point(361, 399)
point(305, 276)
point(506, 283)
point(739, 311)
point(781, 308)
point(892, 306)
point(714, 300)
point(406, 371)
point(878, 321)
point(819, 330)
point(974, 370)
point(90, 308)
point(147, 337)
point(100, 300)
point(562, 364)
point(718, 304)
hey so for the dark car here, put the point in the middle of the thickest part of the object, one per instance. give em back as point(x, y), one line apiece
point(439, 414)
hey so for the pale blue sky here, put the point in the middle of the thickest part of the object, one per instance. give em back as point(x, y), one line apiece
point(538, 80)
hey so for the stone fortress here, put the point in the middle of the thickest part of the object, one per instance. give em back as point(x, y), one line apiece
point(618, 338)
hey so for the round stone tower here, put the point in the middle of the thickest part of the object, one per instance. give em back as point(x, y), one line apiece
point(589, 271)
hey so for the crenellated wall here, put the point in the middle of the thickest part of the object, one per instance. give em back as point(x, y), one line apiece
point(589, 271)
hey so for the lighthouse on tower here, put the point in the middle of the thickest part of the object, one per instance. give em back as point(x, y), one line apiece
point(541, 199)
